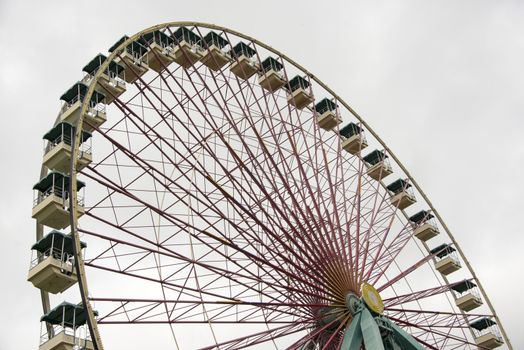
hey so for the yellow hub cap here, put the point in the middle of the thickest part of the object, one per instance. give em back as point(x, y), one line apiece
point(372, 298)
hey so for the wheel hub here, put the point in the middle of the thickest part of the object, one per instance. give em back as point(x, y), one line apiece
point(372, 298)
point(369, 298)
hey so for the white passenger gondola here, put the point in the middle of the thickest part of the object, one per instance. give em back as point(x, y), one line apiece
point(94, 116)
point(487, 333)
point(53, 267)
point(354, 139)
point(467, 295)
point(402, 195)
point(446, 259)
point(425, 227)
point(271, 77)
point(64, 328)
point(327, 114)
point(244, 65)
point(187, 49)
point(133, 58)
point(111, 82)
point(378, 166)
point(215, 56)
point(51, 203)
point(57, 148)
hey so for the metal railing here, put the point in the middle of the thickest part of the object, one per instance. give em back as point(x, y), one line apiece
point(85, 147)
point(66, 260)
point(494, 330)
point(409, 192)
point(453, 255)
point(69, 104)
point(431, 222)
point(93, 109)
point(384, 163)
point(58, 192)
point(41, 196)
point(360, 134)
point(223, 50)
point(80, 334)
point(137, 58)
point(473, 291)
point(96, 109)
point(252, 61)
point(195, 48)
point(270, 71)
point(363, 138)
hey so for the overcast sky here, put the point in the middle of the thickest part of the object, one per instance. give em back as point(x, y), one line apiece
point(440, 81)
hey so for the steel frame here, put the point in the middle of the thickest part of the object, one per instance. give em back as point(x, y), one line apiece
point(309, 282)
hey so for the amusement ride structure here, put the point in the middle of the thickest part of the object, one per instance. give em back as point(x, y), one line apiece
point(232, 200)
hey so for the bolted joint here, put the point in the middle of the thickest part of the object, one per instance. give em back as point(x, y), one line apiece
point(354, 303)
point(384, 326)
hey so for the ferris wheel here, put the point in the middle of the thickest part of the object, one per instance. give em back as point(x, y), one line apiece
point(201, 190)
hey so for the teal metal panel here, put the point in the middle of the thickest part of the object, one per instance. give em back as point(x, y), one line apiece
point(353, 335)
point(370, 331)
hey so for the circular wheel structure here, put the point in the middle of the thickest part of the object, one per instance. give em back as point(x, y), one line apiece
point(232, 200)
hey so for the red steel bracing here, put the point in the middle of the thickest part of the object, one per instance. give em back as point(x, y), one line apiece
point(143, 311)
point(318, 334)
point(437, 319)
point(260, 337)
point(442, 336)
point(242, 210)
point(406, 272)
point(213, 270)
point(406, 298)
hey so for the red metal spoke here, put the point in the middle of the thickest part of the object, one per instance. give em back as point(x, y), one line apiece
point(406, 272)
point(276, 168)
point(381, 199)
point(228, 274)
point(387, 254)
point(260, 337)
point(204, 83)
point(225, 273)
point(313, 233)
point(302, 270)
point(152, 208)
point(285, 309)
